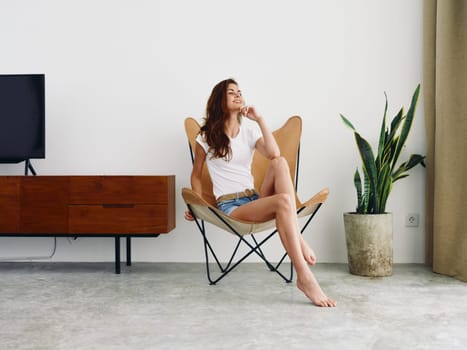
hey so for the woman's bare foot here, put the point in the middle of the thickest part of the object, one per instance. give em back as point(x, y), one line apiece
point(310, 287)
point(308, 253)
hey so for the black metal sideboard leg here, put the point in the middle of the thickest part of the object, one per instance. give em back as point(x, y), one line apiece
point(117, 255)
point(128, 251)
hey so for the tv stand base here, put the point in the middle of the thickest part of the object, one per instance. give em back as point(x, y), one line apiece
point(28, 166)
point(119, 206)
point(128, 252)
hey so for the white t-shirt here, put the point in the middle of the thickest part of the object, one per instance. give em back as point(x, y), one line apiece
point(234, 175)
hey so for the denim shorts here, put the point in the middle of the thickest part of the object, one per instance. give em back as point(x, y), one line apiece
point(230, 205)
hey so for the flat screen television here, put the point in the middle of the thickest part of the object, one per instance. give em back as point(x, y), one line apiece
point(22, 117)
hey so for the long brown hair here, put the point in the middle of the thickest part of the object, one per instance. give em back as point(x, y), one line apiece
point(216, 116)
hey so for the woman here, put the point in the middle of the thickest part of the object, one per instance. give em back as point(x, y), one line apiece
point(227, 145)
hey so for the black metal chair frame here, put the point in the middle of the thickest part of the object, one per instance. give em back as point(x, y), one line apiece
point(255, 247)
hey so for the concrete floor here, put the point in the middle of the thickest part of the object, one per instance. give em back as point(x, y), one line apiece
point(171, 306)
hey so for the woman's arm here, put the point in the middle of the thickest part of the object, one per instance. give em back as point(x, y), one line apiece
point(266, 145)
point(196, 184)
point(200, 158)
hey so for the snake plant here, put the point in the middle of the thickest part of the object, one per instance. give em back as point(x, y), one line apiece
point(381, 171)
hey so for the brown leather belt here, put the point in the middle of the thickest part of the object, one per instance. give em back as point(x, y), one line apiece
point(237, 195)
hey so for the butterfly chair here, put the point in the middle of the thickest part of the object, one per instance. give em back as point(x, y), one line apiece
point(204, 209)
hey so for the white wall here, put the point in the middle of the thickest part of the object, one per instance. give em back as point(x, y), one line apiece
point(121, 76)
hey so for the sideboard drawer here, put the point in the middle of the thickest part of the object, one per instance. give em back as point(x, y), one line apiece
point(9, 204)
point(118, 219)
point(43, 204)
point(121, 189)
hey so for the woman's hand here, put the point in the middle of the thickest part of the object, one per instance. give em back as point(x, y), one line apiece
point(251, 113)
point(189, 216)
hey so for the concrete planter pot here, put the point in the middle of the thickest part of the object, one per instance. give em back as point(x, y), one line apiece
point(369, 244)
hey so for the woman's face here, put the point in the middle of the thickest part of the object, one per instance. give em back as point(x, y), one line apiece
point(234, 98)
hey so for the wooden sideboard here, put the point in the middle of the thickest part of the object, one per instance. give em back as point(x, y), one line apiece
point(92, 206)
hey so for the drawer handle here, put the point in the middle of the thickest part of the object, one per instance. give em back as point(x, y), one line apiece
point(118, 205)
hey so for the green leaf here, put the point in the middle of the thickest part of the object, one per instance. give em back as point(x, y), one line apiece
point(407, 124)
point(385, 195)
point(413, 161)
point(393, 137)
point(382, 135)
point(396, 122)
point(358, 186)
point(366, 194)
point(347, 122)
point(369, 167)
point(384, 179)
point(394, 179)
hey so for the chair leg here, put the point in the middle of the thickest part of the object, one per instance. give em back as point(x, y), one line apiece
point(268, 264)
point(207, 246)
point(230, 265)
point(275, 268)
point(256, 248)
point(208, 250)
point(310, 217)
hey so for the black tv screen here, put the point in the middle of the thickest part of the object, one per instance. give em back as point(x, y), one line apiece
point(22, 117)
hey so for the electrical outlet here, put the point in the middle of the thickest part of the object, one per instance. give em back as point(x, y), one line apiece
point(412, 220)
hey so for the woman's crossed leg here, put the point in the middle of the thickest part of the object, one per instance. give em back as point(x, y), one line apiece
point(277, 200)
